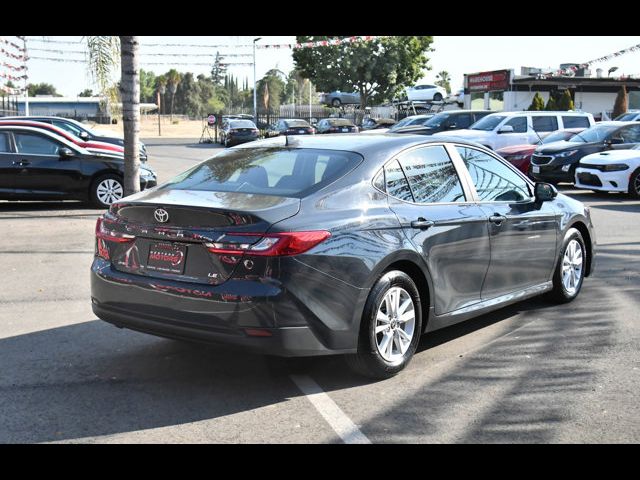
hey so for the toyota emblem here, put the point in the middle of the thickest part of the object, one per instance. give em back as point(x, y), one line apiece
point(161, 215)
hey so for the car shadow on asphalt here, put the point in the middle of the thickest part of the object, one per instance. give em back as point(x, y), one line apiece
point(59, 209)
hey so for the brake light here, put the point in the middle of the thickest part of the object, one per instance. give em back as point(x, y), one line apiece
point(272, 244)
point(105, 234)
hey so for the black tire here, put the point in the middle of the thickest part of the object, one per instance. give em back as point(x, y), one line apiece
point(437, 97)
point(93, 191)
point(226, 142)
point(368, 361)
point(634, 184)
point(559, 293)
point(336, 102)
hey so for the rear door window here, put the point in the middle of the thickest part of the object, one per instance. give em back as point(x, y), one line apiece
point(4, 143)
point(34, 144)
point(519, 124)
point(396, 183)
point(575, 121)
point(544, 123)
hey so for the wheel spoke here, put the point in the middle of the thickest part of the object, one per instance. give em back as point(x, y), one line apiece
point(404, 306)
point(382, 317)
point(405, 317)
point(382, 346)
point(381, 328)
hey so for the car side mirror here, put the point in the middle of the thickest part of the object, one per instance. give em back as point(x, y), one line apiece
point(613, 141)
point(65, 153)
point(506, 129)
point(84, 135)
point(545, 192)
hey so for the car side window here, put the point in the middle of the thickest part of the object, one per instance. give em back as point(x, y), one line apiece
point(494, 181)
point(396, 183)
point(519, 124)
point(544, 123)
point(4, 143)
point(461, 121)
point(630, 134)
point(431, 175)
point(65, 126)
point(35, 144)
point(575, 121)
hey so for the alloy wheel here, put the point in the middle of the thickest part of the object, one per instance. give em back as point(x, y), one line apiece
point(572, 266)
point(395, 324)
point(109, 191)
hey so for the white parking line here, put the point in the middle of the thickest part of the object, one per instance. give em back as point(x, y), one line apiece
point(336, 418)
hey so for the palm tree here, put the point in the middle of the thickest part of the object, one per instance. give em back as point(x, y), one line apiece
point(103, 58)
point(444, 80)
point(173, 79)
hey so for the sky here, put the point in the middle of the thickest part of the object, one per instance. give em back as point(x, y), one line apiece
point(455, 54)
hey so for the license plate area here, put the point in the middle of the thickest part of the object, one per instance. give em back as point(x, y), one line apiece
point(167, 257)
point(345, 130)
point(535, 169)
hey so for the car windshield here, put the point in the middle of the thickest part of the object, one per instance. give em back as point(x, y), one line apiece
point(557, 136)
point(487, 123)
point(436, 120)
point(629, 116)
point(242, 124)
point(594, 134)
point(279, 171)
point(297, 123)
point(405, 121)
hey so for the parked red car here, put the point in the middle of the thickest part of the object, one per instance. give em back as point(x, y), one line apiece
point(96, 147)
point(520, 155)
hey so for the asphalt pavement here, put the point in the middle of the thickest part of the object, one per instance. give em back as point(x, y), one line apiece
point(534, 372)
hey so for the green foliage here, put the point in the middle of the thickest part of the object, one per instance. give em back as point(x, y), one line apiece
point(104, 57)
point(148, 87)
point(270, 90)
point(443, 79)
point(565, 102)
point(377, 69)
point(537, 103)
point(621, 104)
point(551, 104)
point(86, 93)
point(42, 89)
point(218, 71)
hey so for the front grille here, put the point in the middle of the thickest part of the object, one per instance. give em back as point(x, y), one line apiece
point(589, 179)
point(541, 159)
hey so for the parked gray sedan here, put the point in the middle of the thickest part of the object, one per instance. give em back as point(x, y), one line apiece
point(327, 244)
point(338, 98)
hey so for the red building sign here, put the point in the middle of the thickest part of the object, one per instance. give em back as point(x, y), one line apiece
point(488, 81)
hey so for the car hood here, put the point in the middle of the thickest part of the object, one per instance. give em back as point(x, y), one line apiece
point(516, 149)
point(107, 134)
point(560, 146)
point(611, 156)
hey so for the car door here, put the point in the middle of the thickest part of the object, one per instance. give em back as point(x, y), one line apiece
point(450, 231)
point(8, 167)
point(42, 169)
point(628, 137)
point(523, 233)
point(459, 121)
point(519, 135)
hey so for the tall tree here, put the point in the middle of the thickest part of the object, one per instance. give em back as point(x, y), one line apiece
point(173, 79)
point(42, 89)
point(565, 102)
point(147, 86)
point(271, 87)
point(376, 69)
point(621, 104)
point(443, 79)
point(87, 92)
point(219, 70)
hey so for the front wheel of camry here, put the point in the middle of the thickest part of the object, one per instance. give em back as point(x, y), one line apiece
point(569, 274)
point(390, 329)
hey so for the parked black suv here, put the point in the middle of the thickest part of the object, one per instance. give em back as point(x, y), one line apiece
point(445, 121)
point(39, 165)
point(556, 162)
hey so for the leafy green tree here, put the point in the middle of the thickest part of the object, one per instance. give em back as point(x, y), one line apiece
point(443, 79)
point(621, 104)
point(376, 69)
point(42, 89)
point(551, 103)
point(188, 98)
point(565, 102)
point(537, 103)
point(87, 92)
point(271, 86)
point(148, 86)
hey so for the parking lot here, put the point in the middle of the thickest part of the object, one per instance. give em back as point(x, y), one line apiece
point(534, 372)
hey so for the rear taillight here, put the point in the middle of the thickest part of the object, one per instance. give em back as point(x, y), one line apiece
point(272, 244)
point(104, 233)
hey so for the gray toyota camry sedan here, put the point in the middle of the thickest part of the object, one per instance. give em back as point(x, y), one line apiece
point(339, 244)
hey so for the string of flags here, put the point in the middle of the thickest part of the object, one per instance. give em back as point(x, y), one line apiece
point(606, 58)
point(14, 62)
point(323, 43)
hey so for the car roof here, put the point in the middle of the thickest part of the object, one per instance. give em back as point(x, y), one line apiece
point(48, 133)
point(538, 112)
point(615, 123)
point(366, 145)
point(456, 112)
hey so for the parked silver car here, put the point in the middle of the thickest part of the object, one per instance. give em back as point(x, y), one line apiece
point(338, 98)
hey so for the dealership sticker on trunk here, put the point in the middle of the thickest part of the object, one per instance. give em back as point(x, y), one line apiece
point(167, 257)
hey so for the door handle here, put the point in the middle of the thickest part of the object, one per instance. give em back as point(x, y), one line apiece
point(497, 219)
point(422, 223)
point(21, 163)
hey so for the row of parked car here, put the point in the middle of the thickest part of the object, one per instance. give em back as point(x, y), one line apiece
point(553, 147)
point(53, 158)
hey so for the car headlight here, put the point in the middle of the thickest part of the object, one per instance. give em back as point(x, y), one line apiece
point(615, 167)
point(147, 174)
point(568, 153)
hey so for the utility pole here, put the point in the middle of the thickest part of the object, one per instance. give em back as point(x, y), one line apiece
point(26, 89)
point(255, 98)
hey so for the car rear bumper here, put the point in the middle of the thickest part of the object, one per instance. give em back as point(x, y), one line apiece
point(223, 314)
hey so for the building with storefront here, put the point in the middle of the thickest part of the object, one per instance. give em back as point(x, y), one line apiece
point(502, 90)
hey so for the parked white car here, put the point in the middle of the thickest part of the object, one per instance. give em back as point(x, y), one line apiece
point(425, 93)
point(506, 129)
point(457, 97)
point(611, 171)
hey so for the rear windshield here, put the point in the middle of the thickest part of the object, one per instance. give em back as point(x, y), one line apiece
point(241, 124)
point(297, 123)
point(280, 171)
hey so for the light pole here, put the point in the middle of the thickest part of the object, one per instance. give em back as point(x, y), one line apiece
point(255, 98)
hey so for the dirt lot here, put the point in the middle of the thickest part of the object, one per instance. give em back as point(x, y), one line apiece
point(149, 128)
